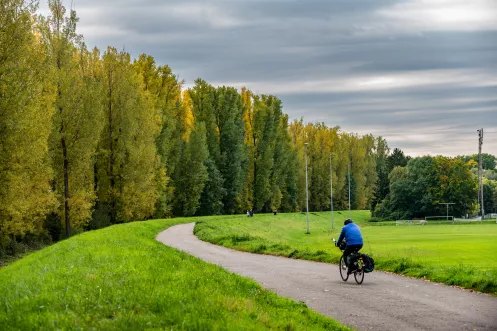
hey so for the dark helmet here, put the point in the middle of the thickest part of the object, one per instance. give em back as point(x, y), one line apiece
point(348, 221)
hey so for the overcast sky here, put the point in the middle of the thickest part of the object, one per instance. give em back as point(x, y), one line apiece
point(421, 73)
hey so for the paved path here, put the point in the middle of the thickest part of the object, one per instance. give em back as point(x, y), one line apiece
point(382, 302)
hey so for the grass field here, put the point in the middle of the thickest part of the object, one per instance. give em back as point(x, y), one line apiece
point(455, 254)
point(120, 278)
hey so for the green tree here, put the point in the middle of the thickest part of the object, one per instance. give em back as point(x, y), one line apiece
point(370, 178)
point(222, 110)
point(193, 174)
point(128, 176)
point(26, 109)
point(418, 189)
point(494, 199)
point(489, 160)
point(203, 104)
point(204, 108)
point(416, 194)
point(165, 90)
point(397, 202)
point(358, 151)
point(455, 183)
point(382, 185)
point(346, 148)
point(78, 117)
point(269, 182)
point(318, 151)
point(231, 128)
point(489, 196)
point(397, 159)
point(247, 194)
point(297, 132)
point(213, 192)
point(266, 117)
point(284, 177)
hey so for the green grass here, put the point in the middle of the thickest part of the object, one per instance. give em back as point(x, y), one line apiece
point(454, 254)
point(120, 278)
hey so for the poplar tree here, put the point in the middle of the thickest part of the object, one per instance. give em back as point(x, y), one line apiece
point(382, 185)
point(247, 194)
point(78, 115)
point(231, 128)
point(284, 176)
point(264, 133)
point(128, 163)
point(205, 109)
point(26, 99)
point(192, 175)
point(322, 141)
point(368, 141)
point(298, 137)
point(165, 90)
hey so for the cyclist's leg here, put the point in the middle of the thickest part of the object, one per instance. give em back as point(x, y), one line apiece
point(354, 250)
point(348, 250)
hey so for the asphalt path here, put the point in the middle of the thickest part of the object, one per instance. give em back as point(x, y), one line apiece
point(383, 302)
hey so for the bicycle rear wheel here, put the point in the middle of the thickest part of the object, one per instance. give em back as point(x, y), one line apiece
point(359, 275)
point(343, 269)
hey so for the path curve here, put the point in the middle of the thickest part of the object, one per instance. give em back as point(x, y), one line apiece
point(382, 302)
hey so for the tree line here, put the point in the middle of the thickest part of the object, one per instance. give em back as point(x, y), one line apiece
point(415, 187)
point(91, 138)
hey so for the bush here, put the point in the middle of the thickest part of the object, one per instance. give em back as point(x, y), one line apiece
point(18, 247)
point(53, 225)
point(100, 218)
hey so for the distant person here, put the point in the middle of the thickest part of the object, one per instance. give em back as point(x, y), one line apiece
point(353, 239)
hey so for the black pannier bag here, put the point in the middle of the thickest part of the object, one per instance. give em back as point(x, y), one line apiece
point(368, 263)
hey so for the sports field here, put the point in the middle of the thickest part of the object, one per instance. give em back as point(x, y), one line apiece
point(456, 254)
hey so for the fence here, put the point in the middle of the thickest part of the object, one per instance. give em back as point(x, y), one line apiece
point(410, 222)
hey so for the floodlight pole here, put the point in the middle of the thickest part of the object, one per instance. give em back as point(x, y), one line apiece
point(331, 192)
point(447, 205)
point(349, 186)
point(306, 190)
point(480, 173)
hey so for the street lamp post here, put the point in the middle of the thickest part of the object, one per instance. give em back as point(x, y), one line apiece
point(349, 187)
point(480, 174)
point(331, 192)
point(306, 190)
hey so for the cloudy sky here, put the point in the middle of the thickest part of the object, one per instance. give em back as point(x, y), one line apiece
point(421, 73)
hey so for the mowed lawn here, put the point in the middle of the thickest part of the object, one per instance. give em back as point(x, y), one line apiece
point(121, 278)
point(473, 245)
point(455, 254)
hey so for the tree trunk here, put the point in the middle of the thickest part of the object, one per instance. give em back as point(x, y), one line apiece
point(66, 188)
point(111, 157)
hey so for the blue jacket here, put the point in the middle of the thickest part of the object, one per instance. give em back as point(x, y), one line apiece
point(352, 234)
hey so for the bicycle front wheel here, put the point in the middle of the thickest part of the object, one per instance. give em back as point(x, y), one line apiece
point(343, 269)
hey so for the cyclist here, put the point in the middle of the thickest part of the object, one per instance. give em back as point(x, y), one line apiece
point(353, 239)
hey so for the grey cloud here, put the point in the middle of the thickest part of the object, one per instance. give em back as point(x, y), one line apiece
point(300, 42)
point(419, 122)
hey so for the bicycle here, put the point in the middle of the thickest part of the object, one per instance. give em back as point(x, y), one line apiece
point(358, 264)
